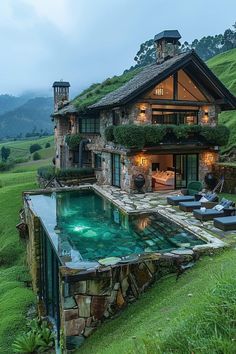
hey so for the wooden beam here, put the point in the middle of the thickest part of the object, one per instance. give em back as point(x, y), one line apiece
point(174, 102)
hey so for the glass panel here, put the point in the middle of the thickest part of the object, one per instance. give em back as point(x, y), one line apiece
point(116, 170)
point(180, 171)
point(192, 167)
point(167, 117)
point(164, 90)
point(187, 90)
point(90, 125)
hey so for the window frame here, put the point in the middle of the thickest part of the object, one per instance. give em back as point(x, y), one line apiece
point(89, 125)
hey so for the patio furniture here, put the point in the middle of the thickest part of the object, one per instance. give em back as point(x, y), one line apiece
point(175, 200)
point(208, 201)
point(192, 188)
point(226, 223)
point(217, 211)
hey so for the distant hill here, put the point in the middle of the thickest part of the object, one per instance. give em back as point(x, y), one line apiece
point(32, 115)
point(224, 66)
point(9, 102)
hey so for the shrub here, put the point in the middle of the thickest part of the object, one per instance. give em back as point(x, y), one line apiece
point(74, 172)
point(34, 147)
point(218, 135)
point(130, 135)
point(109, 133)
point(73, 140)
point(36, 156)
point(47, 145)
point(46, 172)
point(6, 166)
point(181, 131)
point(154, 134)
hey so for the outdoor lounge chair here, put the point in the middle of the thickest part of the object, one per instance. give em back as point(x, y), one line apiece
point(208, 201)
point(226, 223)
point(175, 200)
point(215, 212)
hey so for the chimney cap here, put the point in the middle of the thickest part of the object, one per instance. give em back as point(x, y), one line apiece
point(168, 35)
point(61, 84)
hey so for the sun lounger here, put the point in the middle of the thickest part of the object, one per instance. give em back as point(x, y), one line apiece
point(208, 201)
point(215, 212)
point(225, 223)
point(175, 200)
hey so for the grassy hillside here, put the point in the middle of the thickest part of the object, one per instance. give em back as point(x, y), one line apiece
point(20, 148)
point(224, 66)
point(179, 317)
point(15, 297)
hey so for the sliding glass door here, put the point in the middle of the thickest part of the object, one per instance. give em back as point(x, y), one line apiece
point(115, 162)
point(186, 169)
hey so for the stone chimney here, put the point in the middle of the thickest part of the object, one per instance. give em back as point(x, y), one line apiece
point(61, 94)
point(167, 45)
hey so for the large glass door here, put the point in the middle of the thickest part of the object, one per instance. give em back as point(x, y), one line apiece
point(186, 169)
point(115, 169)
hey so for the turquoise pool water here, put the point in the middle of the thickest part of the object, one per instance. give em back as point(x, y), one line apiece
point(84, 226)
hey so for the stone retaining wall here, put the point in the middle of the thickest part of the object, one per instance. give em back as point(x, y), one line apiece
point(89, 298)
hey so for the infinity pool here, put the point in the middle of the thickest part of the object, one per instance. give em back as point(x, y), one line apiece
point(83, 226)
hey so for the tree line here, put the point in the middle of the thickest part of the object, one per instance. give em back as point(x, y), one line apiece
point(206, 47)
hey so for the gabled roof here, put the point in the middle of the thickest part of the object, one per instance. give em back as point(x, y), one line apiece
point(154, 73)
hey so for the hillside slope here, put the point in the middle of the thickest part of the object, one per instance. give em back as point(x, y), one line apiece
point(33, 114)
point(224, 66)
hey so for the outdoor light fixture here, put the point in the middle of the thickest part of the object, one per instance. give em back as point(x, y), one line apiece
point(142, 111)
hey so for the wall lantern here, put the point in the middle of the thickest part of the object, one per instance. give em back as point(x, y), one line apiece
point(205, 119)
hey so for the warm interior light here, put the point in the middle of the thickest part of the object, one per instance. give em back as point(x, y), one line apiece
point(209, 158)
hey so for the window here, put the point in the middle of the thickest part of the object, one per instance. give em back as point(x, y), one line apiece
point(90, 125)
point(97, 161)
point(171, 117)
point(115, 118)
point(164, 90)
point(187, 90)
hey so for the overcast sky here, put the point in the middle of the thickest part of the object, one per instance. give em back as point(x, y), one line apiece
point(85, 41)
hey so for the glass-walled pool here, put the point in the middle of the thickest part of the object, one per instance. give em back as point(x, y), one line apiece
point(84, 226)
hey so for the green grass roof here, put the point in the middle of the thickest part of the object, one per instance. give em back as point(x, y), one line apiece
point(97, 91)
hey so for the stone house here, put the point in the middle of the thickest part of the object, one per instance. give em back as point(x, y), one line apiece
point(173, 95)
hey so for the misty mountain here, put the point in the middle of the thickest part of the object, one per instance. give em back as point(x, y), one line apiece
point(32, 115)
point(9, 102)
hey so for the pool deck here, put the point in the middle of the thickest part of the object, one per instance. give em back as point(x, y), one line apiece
point(156, 202)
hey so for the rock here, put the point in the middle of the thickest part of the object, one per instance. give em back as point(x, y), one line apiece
point(120, 299)
point(88, 331)
point(90, 233)
point(69, 302)
point(74, 327)
point(98, 306)
point(71, 314)
point(109, 260)
point(78, 287)
point(124, 286)
point(84, 305)
point(182, 251)
point(99, 286)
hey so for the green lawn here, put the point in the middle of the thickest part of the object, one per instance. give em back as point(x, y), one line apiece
point(15, 298)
